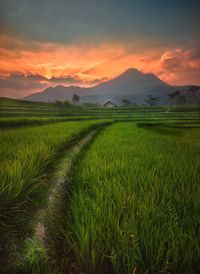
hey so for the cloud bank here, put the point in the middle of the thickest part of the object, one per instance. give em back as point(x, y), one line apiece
point(47, 43)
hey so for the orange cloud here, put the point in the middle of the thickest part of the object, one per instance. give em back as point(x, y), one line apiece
point(89, 64)
point(51, 59)
point(180, 66)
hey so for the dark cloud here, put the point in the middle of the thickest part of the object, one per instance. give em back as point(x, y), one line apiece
point(193, 54)
point(20, 81)
point(17, 84)
point(93, 20)
point(64, 80)
point(181, 60)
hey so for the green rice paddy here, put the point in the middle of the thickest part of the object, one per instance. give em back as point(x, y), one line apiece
point(130, 203)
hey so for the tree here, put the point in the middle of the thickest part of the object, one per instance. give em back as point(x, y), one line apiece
point(63, 103)
point(199, 109)
point(59, 103)
point(66, 103)
point(75, 99)
point(193, 89)
point(126, 102)
point(173, 96)
point(181, 99)
point(152, 101)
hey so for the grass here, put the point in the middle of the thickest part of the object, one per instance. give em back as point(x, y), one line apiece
point(132, 204)
point(26, 157)
point(22, 109)
point(135, 202)
point(32, 121)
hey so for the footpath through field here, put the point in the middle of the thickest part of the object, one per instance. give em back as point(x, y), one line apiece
point(38, 245)
point(58, 179)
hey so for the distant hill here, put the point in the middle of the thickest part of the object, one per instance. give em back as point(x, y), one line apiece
point(132, 85)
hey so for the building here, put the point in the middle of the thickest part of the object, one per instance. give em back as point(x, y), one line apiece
point(110, 104)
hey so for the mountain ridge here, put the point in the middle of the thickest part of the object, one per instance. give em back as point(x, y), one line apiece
point(132, 85)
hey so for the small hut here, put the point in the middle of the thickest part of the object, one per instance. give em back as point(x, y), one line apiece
point(110, 104)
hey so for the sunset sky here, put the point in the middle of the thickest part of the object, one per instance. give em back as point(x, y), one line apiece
point(84, 42)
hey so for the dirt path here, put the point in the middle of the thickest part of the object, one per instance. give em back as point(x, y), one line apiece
point(59, 177)
point(34, 256)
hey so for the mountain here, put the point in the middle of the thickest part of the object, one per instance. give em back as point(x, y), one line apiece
point(52, 94)
point(135, 86)
point(132, 85)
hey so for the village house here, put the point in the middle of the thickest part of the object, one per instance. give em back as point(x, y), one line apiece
point(110, 104)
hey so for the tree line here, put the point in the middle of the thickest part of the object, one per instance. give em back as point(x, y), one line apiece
point(74, 101)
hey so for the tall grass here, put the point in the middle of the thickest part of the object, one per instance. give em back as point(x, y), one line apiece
point(135, 203)
point(26, 156)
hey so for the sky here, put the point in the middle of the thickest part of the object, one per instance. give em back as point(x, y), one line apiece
point(85, 42)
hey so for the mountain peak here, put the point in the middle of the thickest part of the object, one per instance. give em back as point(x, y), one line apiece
point(131, 72)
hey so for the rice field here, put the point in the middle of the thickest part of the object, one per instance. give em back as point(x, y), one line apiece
point(26, 157)
point(135, 204)
point(129, 201)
